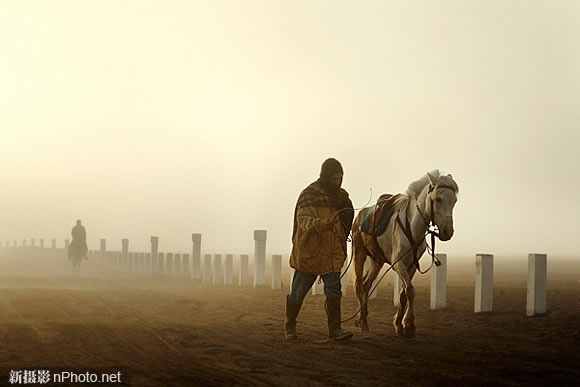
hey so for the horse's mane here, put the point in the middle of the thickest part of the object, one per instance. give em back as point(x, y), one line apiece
point(415, 188)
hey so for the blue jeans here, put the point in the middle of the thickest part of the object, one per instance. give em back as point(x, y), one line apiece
point(302, 282)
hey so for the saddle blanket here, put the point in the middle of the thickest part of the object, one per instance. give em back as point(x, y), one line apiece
point(376, 222)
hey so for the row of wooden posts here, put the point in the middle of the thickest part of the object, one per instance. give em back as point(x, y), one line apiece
point(220, 272)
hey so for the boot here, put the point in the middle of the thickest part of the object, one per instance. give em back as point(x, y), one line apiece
point(290, 324)
point(335, 331)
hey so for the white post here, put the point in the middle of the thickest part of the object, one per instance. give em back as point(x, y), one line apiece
point(169, 264)
point(397, 288)
point(483, 283)
point(185, 266)
point(177, 265)
point(292, 271)
point(276, 271)
point(141, 263)
point(244, 270)
point(207, 277)
point(147, 264)
point(229, 270)
point(42, 243)
point(24, 243)
point(439, 283)
point(160, 263)
point(260, 257)
point(537, 281)
point(52, 244)
point(124, 254)
point(196, 256)
point(154, 252)
point(318, 287)
point(218, 275)
point(116, 259)
point(130, 262)
point(103, 243)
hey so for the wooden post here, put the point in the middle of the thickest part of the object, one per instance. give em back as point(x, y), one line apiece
point(260, 257)
point(244, 270)
point(439, 283)
point(537, 281)
point(196, 256)
point(483, 283)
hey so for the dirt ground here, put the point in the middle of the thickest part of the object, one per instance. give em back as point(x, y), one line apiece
point(173, 332)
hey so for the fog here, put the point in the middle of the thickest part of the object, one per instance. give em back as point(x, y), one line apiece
point(146, 118)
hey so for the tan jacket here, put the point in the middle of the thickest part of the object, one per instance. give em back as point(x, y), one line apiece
point(315, 251)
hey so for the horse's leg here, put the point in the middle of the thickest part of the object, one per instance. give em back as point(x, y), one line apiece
point(398, 318)
point(369, 278)
point(409, 294)
point(359, 257)
point(409, 318)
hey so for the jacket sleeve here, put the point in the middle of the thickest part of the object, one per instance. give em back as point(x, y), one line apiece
point(308, 221)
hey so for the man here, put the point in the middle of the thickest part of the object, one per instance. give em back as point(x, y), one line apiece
point(78, 246)
point(322, 222)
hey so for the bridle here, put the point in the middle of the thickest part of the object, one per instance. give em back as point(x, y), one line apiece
point(432, 228)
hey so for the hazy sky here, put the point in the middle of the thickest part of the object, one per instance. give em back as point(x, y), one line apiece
point(171, 117)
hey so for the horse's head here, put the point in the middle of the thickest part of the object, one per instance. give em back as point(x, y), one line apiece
point(443, 196)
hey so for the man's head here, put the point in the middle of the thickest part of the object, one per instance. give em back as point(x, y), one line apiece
point(78, 222)
point(331, 172)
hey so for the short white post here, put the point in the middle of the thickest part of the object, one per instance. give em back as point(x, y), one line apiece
point(196, 256)
point(42, 243)
point(103, 251)
point(169, 264)
point(207, 277)
point(52, 244)
point(147, 264)
point(24, 243)
point(276, 271)
point(244, 270)
point(141, 263)
point(537, 281)
point(318, 287)
point(160, 263)
point(177, 265)
point(439, 283)
point(229, 270)
point(154, 252)
point(218, 275)
point(130, 262)
point(260, 257)
point(397, 288)
point(185, 266)
point(125, 254)
point(483, 283)
point(292, 271)
point(116, 259)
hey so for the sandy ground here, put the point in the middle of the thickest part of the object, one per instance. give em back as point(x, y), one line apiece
point(170, 332)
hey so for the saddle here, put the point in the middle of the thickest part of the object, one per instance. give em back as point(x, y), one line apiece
point(375, 224)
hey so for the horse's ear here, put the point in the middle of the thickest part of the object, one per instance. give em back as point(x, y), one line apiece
point(450, 176)
point(431, 179)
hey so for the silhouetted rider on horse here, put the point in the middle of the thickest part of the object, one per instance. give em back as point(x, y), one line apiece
point(78, 246)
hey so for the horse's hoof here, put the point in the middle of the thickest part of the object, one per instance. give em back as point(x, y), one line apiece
point(409, 332)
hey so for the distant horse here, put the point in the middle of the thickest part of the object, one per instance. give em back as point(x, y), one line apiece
point(76, 252)
point(429, 200)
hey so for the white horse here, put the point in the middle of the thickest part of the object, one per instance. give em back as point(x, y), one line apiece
point(429, 200)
